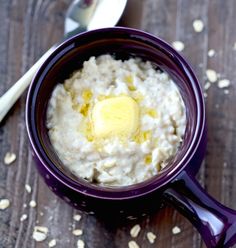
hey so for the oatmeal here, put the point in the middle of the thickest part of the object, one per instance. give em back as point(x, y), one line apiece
point(116, 122)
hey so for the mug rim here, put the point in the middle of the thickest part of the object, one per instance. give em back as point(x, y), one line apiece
point(124, 192)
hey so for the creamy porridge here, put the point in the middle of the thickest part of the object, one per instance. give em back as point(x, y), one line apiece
point(116, 122)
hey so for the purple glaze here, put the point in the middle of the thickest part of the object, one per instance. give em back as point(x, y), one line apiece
point(215, 222)
point(177, 179)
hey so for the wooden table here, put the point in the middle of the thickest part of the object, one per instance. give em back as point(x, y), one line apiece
point(27, 29)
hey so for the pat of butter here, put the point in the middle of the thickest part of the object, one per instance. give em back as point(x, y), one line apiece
point(115, 116)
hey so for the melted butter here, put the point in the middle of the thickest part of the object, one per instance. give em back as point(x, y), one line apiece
point(148, 159)
point(87, 95)
point(112, 115)
point(151, 112)
point(84, 109)
point(130, 82)
point(142, 136)
point(115, 116)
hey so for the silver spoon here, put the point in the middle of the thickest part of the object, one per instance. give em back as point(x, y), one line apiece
point(82, 15)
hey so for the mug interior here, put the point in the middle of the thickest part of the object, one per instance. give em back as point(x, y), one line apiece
point(122, 43)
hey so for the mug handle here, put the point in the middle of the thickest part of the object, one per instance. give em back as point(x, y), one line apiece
point(215, 222)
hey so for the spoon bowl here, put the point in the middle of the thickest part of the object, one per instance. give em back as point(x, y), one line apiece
point(92, 14)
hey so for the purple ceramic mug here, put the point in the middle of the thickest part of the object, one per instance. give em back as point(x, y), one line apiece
point(176, 184)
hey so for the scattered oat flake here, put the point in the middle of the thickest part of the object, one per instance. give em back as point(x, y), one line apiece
point(77, 232)
point(211, 53)
point(77, 217)
point(133, 244)
point(198, 25)
point(205, 94)
point(80, 243)
point(9, 158)
point(223, 83)
point(211, 75)
point(52, 243)
point(135, 231)
point(151, 237)
point(33, 204)
point(28, 188)
point(4, 203)
point(207, 85)
point(226, 92)
point(40, 233)
point(234, 46)
point(38, 236)
point(23, 217)
point(176, 230)
point(178, 45)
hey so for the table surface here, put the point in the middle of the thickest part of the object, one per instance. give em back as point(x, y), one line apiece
point(28, 28)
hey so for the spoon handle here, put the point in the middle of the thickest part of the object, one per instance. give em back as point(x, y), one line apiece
point(11, 96)
point(8, 99)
